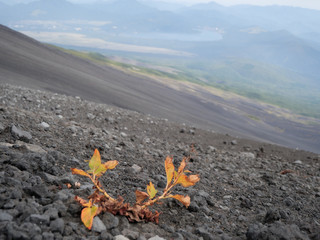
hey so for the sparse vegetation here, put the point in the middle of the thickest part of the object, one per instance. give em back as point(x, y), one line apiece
point(101, 201)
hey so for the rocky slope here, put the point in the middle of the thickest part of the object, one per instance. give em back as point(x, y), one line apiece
point(248, 190)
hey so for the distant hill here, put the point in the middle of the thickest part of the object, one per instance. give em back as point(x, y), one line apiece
point(279, 48)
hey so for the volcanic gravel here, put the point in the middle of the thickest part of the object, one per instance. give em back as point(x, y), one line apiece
point(248, 190)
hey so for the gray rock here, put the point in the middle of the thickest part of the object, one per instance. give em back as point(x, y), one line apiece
point(204, 233)
point(4, 216)
point(57, 225)
point(234, 142)
point(247, 155)
point(105, 235)
point(40, 219)
point(15, 232)
point(52, 213)
point(90, 116)
point(98, 225)
point(110, 120)
point(122, 134)
point(298, 162)
point(272, 215)
point(123, 222)
point(45, 125)
point(136, 168)
point(35, 148)
point(204, 194)
point(120, 237)
point(142, 238)
point(48, 236)
point(1, 127)
point(277, 230)
point(156, 238)
point(187, 235)
point(130, 234)
point(193, 207)
point(20, 134)
point(73, 129)
point(10, 204)
point(110, 220)
point(39, 191)
point(16, 194)
point(211, 149)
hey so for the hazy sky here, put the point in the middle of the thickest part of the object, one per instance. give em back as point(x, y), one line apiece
point(314, 4)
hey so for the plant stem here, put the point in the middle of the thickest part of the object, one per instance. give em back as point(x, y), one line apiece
point(100, 189)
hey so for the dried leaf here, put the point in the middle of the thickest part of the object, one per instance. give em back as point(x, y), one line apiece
point(185, 200)
point(68, 185)
point(141, 196)
point(286, 171)
point(187, 181)
point(183, 164)
point(169, 169)
point(151, 190)
point(88, 214)
point(79, 172)
point(83, 202)
point(110, 164)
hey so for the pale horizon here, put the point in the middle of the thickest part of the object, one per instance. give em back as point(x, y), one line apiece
point(311, 4)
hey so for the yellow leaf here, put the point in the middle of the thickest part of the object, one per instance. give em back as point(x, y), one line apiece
point(141, 196)
point(111, 164)
point(87, 215)
point(169, 169)
point(187, 181)
point(183, 164)
point(185, 200)
point(95, 164)
point(95, 161)
point(151, 190)
point(79, 172)
point(175, 174)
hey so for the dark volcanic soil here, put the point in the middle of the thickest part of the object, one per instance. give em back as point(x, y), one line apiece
point(243, 192)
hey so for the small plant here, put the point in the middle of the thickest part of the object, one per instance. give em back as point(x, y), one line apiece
point(101, 201)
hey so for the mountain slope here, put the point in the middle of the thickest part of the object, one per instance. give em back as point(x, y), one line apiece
point(27, 62)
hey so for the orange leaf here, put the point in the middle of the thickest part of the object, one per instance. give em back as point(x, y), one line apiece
point(79, 172)
point(169, 169)
point(151, 190)
point(188, 181)
point(87, 215)
point(183, 164)
point(141, 196)
point(111, 164)
point(185, 200)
